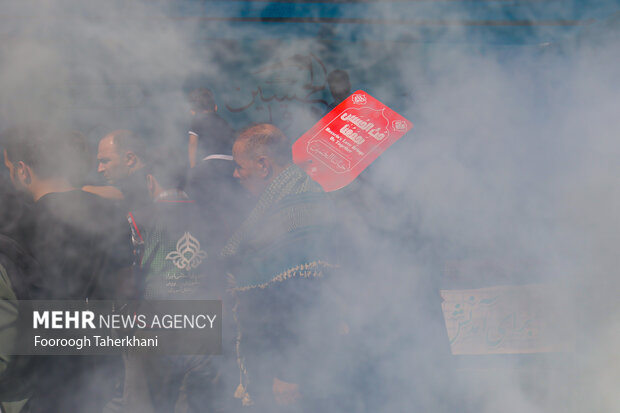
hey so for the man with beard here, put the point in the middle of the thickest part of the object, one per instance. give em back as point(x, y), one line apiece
point(82, 246)
point(276, 260)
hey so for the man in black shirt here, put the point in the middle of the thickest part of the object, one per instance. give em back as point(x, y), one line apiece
point(210, 181)
point(82, 246)
point(77, 237)
point(121, 157)
point(209, 133)
point(339, 86)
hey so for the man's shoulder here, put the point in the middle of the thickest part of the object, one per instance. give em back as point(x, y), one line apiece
point(211, 123)
point(297, 186)
point(79, 208)
point(76, 197)
point(300, 204)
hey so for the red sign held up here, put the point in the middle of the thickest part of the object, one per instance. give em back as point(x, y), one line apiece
point(348, 139)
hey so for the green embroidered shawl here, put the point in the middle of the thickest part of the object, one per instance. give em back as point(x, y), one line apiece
point(285, 235)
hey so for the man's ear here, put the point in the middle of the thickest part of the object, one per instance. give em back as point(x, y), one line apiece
point(131, 159)
point(24, 173)
point(264, 166)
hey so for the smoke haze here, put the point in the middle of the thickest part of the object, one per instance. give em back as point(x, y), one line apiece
point(509, 176)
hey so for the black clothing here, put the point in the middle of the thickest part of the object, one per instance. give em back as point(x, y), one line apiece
point(135, 192)
point(179, 261)
point(80, 242)
point(214, 134)
point(135, 203)
point(222, 200)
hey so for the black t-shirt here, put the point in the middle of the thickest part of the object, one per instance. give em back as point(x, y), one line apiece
point(80, 242)
point(135, 192)
point(214, 134)
point(222, 200)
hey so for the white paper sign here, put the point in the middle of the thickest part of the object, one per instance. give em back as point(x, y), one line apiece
point(506, 320)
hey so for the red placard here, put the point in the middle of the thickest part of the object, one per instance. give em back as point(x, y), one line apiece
point(348, 139)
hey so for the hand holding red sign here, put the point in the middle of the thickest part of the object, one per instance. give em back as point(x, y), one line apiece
point(348, 139)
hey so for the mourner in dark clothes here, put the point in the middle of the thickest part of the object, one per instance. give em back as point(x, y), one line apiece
point(82, 246)
point(180, 261)
point(211, 183)
point(276, 260)
point(209, 133)
point(180, 240)
point(220, 196)
point(121, 158)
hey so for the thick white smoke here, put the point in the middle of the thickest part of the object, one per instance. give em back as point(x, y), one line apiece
point(512, 162)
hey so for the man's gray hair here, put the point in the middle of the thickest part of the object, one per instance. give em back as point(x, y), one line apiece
point(266, 139)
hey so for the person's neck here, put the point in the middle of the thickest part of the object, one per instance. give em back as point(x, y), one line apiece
point(43, 187)
point(275, 172)
point(278, 169)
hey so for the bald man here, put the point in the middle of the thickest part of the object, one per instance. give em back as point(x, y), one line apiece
point(120, 154)
point(120, 158)
point(121, 161)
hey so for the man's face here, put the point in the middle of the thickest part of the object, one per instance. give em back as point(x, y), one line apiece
point(110, 163)
point(248, 170)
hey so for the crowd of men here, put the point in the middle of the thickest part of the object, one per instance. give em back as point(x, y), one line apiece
point(236, 220)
